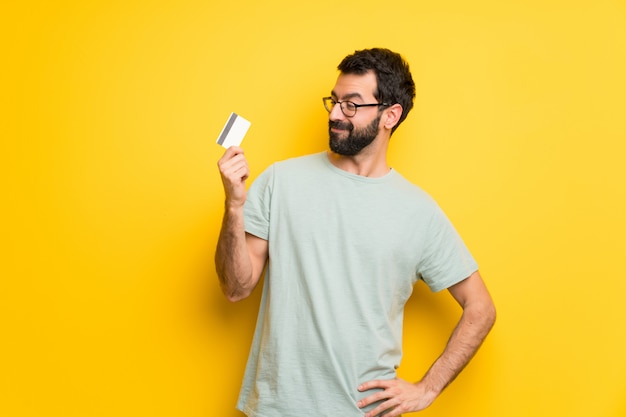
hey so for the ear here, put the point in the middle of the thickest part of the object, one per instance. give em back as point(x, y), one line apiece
point(392, 115)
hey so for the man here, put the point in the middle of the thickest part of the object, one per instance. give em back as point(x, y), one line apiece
point(343, 238)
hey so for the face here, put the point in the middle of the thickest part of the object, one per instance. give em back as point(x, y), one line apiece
point(356, 140)
point(349, 136)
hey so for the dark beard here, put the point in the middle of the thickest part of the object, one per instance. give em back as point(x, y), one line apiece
point(357, 139)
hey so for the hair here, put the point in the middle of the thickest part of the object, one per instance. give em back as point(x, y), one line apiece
point(394, 81)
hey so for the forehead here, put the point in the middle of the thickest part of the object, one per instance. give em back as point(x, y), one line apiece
point(355, 86)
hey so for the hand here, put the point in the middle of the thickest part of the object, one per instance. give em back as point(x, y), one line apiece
point(234, 171)
point(398, 396)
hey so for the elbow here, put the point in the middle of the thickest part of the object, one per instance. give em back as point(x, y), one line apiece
point(233, 299)
point(231, 287)
point(235, 285)
point(489, 315)
point(483, 315)
point(235, 293)
point(235, 296)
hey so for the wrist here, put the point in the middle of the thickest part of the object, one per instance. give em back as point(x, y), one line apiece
point(431, 389)
point(234, 206)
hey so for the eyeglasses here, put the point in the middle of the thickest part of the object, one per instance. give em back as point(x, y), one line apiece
point(348, 108)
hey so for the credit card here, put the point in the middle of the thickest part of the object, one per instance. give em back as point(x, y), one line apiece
point(233, 132)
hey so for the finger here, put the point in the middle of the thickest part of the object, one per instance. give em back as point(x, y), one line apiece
point(233, 165)
point(234, 150)
point(371, 399)
point(230, 153)
point(376, 383)
point(241, 172)
point(388, 407)
point(235, 178)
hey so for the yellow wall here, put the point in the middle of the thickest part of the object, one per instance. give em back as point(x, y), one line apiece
point(109, 304)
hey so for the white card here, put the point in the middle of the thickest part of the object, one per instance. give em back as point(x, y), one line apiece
point(233, 132)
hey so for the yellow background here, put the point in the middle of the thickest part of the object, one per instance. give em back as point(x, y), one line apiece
point(109, 303)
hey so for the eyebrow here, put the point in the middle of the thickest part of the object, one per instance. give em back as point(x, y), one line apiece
point(347, 96)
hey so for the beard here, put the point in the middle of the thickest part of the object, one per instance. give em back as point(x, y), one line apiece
point(357, 139)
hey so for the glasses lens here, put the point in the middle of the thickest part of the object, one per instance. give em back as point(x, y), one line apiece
point(348, 108)
point(329, 104)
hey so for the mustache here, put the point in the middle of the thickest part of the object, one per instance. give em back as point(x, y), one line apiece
point(334, 124)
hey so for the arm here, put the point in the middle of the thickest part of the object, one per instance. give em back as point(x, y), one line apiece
point(477, 320)
point(479, 315)
point(239, 257)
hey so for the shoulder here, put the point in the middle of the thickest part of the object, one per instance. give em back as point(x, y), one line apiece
point(300, 162)
point(290, 171)
point(411, 191)
point(298, 168)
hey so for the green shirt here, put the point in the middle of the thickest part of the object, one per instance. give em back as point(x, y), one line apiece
point(344, 253)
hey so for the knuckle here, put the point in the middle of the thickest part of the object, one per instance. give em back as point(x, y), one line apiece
point(402, 408)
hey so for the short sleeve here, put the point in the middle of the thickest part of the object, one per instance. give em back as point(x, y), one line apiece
point(446, 260)
point(258, 203)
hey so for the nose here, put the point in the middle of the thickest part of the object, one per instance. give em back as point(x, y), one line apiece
point(336, 113)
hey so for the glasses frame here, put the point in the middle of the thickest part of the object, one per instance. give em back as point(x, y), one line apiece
point(334, 102)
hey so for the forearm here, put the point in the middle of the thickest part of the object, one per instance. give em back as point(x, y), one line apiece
point(470, 332)
point(232, 259)
point(478, 317)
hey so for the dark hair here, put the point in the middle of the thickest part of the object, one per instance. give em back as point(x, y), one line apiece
point(394, 81)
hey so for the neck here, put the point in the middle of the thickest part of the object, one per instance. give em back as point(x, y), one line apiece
point(370, 162)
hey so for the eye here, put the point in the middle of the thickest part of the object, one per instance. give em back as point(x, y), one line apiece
point(349, 105)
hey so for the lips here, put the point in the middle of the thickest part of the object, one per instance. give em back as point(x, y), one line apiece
point(340, 126)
